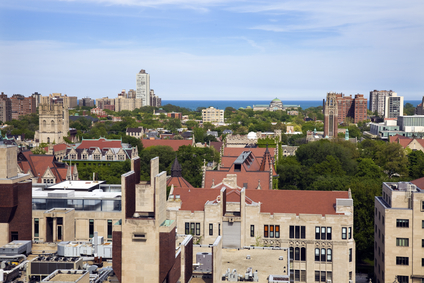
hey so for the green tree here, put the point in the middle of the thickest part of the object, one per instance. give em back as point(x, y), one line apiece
point(38, 150)
point(368, 169)
point(416, 164)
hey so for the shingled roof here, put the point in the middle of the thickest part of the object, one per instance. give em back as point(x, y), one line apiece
point(175, 144)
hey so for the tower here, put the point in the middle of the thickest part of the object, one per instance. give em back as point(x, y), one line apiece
point(53, 123)
point(330, 115)
point(143, 89)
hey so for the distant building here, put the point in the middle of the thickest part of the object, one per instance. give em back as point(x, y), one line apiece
point(212, 115)
point(274, 105)
point(37, 97)
point(155, 100)
point(87, 101)
point(58, 98)
point(5, 108)
point(337, 108)
point(53, 120)
point(419, 110)
point(143, 88)
point(378, 100)
point(393, 106)
point(22, 105)
point(135, 132)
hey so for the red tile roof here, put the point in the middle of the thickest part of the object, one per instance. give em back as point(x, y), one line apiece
point(175, 144)
point(100, 143)
point(419, 183)
point(217, 145)
point(251, 178)
point(272, 201)
point(178, 182)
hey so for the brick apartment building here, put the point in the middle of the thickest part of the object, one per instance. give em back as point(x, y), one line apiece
point(337, 107)
point(22, 105)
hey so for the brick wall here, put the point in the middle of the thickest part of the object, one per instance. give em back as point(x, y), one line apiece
point(175, 272)
point(130, 195)
point(117, 254)
point(188, 254)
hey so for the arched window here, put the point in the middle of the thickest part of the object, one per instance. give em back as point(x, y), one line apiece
point(52, 123)
point(48, 140)
point(44, 123)
point(296, 254)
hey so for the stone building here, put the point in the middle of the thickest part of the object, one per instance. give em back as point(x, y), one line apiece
point(15, 197)
point(212, 115)
point(398, 233)
point(316, 226)
point(135, 132)
point(53, 120)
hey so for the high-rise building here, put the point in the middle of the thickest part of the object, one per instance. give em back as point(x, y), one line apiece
point(398, 232)
point(143, 88)
point(212, 115)
point(338, 107)
point(5, 108)
point(22, 105)
point(393, 107)
point(87, 101)
point(378, 103)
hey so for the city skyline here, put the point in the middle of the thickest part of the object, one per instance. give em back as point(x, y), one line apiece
point(212, 49)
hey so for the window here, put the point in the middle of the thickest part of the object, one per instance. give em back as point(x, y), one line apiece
point(350, 255)
point(422, 243)
point(110, 157)
point(265, 231)
point(109, 229)
point(91, 228)
point(422, 224)
point(187, 228)
point(349, 232)
point(252, 230)
point(402, 242)
point(323, 276)
point(323, 255)
point(297, 254)
point(400, 260)
point(36, 227)
point(329, 256)
point(121, 157)
point(403, 223)
point(96, 156)
point(197, 229)
point(403, 279)
point(277, 231)
point(317, 254)
point(344, 232)
point(328, 233)
point(297, 232)
point(270, 231)
point(316, 276)
point(323, 233)
point(219, 229)
point(317, 235)
point(210, 229)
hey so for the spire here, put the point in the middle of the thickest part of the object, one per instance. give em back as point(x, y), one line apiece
point(176, 168)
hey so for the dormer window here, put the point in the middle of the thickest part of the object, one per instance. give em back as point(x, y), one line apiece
point(110, 157)
point(84, 156)
point(121, 157)
point(96, 156)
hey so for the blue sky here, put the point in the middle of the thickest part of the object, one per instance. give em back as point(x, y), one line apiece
point(213, 49)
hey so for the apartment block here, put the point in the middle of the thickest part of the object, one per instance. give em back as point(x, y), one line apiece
point(398, 233)
point(212, 115)
point(22, 105)
point(5, 108)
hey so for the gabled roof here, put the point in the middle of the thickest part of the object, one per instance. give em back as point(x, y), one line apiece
point(271, 201)
point(100, 143)
point(134, 130)
point(419, 183)
point(216, 145)
point(178, 182)
point(175, 144)
point(213, 177)
point(236, 151)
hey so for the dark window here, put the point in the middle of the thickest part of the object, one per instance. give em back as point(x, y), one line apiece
point(187, 228)
point(36, 227)
point(401, 260)
point(403, 279)
point(422, 262)
point(350, 255)
point(252, 230)
point(15, 236)
point(403, 223)
point(91, 228)
point(297, 275)
point(59, 232)
point(265, 231)
point(296, 253)
point(349, 232)
point(317, 234)
point(329, 255)
point(328, 233)
point(271, 231)
point(316, 276)
point(277, 231)
point(59, 221)
point(303, 254)
point(210, 229)
point(292, 253)
point(192, 225)
point(322, 254)
point(323, 233)
point(109, 229)
point(297, 232)
point(197, 229)
point(219, 229)
point(291, 235)
point(302, 232)
point(317, 254)
point(322, 276)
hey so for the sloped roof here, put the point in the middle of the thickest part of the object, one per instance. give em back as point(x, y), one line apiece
point(57, 147)
point(175, 144)
point(178, 182)
point(236, 151)
point(251, 178)
point(419, 183)
point(100, 143)
point(216, 145)
point(272, 201)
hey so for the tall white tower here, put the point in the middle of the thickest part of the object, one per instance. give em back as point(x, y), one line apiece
point(143, 88)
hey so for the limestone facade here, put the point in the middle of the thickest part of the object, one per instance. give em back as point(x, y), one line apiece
point(53, 122)
point(212, 115)
point(398, 233)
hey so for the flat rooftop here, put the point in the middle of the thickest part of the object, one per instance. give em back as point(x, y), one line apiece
point(76, 185)
point(95, 194)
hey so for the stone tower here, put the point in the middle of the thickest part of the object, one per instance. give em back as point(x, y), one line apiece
point(53, 123)
point(331, 115)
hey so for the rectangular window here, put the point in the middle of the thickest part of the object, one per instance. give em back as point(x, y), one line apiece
point(187, 228)
point(344, 232)
point(316, 276)
point(297, 275)
point(197, 229)
point(277, 231)
point(303, 254)
point(317, 234)
point(219, 229)
point(192, 225)
point(271, 231)
point(403, 279)
point(296, 253)
point(265, 231)
point(323, 255)
point(422, 243)
point(91, 228)
point(292, 253)
point(401, 260)
point(302, 232)
point(328, 233)
point(402, 223)
point(329, 255)
point(210, 229)
point(291, 235)
point(402, 242)
point(297, 232)
point(349, 232)
point(303, 275)
point(323, 233)
point(252, 230)
point(322, 276)
point(316, 254)
point(350, 255)
point(109, 229)
point(422, 224)
point(36, 227)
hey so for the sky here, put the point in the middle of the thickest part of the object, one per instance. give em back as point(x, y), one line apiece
point(213, 49)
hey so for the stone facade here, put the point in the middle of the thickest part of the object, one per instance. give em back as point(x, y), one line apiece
point(398, 233)
point(53, 121)
point(212, 115)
